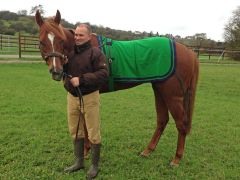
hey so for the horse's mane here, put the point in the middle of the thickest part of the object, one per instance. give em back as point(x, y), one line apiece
point(51, 26)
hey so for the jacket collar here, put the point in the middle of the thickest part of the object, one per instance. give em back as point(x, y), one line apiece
point(80, 48)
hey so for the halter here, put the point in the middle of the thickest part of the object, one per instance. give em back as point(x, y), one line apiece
point(51, 54)
point(54, 54)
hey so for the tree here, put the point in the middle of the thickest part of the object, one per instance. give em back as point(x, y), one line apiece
point(232, 29)
point(17, 26)
point(200, 36)
point(7, 15)
point(2, 26)
point(232, 32)
point(38, 7)
point(22, 12)
point(151, 34)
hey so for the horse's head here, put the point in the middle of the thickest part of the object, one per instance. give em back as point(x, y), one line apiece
point(52, 39)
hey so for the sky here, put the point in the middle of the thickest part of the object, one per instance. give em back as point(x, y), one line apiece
point(176, 17)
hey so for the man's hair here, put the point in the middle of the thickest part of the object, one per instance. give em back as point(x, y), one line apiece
point(87, 26)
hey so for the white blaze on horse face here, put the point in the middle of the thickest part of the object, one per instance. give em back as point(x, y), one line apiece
point(51, 38)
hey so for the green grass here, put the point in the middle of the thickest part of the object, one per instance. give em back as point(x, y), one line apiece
point(24, 58)
point(35, 143)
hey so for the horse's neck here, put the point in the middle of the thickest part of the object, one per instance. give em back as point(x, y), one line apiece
point(94, 40)
point(69, 43)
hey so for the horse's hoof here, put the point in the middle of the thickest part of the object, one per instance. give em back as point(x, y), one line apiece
point(173, 164)
point(86, 156)
point(145, 153)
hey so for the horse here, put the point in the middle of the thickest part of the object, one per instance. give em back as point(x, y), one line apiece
point(174, 95)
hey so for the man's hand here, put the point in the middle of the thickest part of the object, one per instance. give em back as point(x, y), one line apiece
point(75, 81)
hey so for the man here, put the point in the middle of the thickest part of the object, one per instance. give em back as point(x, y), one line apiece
point(88, 68)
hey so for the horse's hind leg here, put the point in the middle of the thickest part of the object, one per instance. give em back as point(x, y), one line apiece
point(180, 149)
point(177, 111)
point(162, 120)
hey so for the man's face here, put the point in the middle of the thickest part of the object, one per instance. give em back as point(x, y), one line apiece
point(81, 35)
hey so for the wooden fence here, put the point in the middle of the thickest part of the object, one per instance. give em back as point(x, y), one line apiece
point(7, 42)
point(30, 44)
point(220, 53)
point(19, 44)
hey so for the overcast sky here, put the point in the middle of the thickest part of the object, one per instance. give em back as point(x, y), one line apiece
point(177, 17)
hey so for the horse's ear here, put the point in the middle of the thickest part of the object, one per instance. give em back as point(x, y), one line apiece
point(38, 18)
point(57, 18)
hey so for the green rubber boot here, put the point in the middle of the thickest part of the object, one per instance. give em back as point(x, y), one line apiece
point(79, 156)
point(93, 170)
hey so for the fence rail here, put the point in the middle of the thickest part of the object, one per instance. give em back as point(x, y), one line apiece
point(220, 53)
point(8, 42)
point(19, 44)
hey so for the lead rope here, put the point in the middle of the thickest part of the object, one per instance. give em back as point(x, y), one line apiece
point(81, 104)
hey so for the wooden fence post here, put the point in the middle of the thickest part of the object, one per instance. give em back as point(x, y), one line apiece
point(209, 54)
point(1, 41)
point(19, 45)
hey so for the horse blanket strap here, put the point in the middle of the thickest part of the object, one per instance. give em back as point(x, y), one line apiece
point(102, 44)
point(146, 60)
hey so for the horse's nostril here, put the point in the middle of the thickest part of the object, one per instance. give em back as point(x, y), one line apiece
point(56, 74)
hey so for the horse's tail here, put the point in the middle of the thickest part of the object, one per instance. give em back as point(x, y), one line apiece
point(189, 97)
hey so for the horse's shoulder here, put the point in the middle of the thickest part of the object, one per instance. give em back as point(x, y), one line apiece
point(71, 54)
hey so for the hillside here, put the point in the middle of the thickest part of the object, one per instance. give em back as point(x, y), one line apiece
point(12, 23)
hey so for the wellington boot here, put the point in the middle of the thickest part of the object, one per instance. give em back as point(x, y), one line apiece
point(93, 170)
point(79, 156)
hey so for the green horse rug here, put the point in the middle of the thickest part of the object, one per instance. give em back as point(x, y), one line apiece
point(145, 60)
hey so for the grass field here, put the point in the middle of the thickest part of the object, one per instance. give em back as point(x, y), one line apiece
point(35, 144)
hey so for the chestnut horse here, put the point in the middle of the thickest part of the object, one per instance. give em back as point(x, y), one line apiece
point(175, 94)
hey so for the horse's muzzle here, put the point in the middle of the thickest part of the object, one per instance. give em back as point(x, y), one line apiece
point(56, 74)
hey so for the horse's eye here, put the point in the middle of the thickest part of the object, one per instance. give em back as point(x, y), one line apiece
point(41, 43)
point(62, 42)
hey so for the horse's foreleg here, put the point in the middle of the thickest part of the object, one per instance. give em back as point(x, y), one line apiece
point(162, 120)
point(180, 149)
